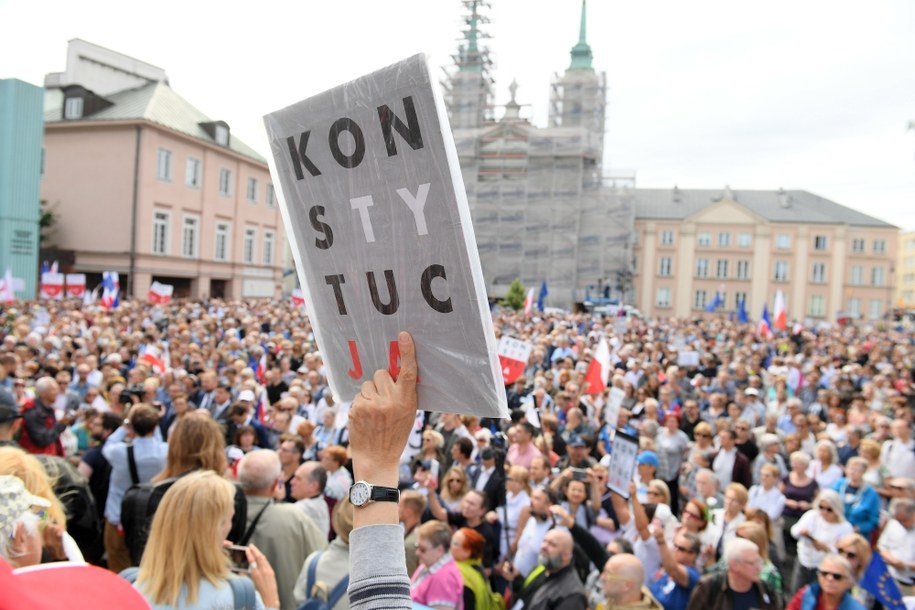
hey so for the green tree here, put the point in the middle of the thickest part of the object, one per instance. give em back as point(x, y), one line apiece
point(514, 298)
point(46, 225)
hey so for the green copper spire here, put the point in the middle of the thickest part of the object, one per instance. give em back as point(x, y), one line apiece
point(471, 59)
point(581, 52)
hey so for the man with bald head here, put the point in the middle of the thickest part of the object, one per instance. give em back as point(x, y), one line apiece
point(554, 583)
point(622, 579)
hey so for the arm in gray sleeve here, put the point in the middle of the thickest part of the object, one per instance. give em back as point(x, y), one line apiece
point(378, 569)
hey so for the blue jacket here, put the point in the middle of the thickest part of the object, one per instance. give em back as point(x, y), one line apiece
point(812, 593)
point(862, 509)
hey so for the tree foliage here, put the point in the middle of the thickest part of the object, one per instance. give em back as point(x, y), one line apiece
point(514, 298)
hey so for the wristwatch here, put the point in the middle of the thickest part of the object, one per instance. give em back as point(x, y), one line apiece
point(362, 493)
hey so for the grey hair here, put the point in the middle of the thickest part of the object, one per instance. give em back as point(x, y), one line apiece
point(259, 470)
point(799, 456)
point(902, 507)
point(711, 473)
point(833, 453)
point(44, 384)
point(29, 521)
point(832, 498)
point(846, 566)
point(736, 547)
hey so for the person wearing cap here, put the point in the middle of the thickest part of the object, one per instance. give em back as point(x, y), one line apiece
point(9, 420)
point(754, 411)
point(646, 467)
point(578, 454)
point(20, 534)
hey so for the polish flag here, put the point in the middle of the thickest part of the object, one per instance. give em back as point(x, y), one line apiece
point(529, 302)
point(7, 294)
point(76, 285)
point(781, 316)
point(298, 298)
point(153, 359)
point(513, 357)
point(599, 370)
point(160, 293)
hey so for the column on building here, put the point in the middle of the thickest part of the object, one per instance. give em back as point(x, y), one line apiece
point(649, 264)
point(837, 274)
point(799, 277)
point(761, 270)
point(686, 261)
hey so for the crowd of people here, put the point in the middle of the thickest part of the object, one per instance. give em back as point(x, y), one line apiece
point(773, 471)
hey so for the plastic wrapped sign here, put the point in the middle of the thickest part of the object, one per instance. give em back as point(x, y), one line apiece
point(375, 209)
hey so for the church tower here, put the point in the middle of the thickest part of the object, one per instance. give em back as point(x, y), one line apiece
point(579, 96)
point(468, 92)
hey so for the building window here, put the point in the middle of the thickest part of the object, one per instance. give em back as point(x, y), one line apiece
point(225, 182)
point(164, 165)
point(817, 306)
point(781, 271)
point(819, 242)
point(877, 276)
point(73, 108)
point(857, 245)
point(252, 190)
point(879, 246)
point(189, 240)
point(702, 267)
point(722, 268)
point(665, 266)
point(743, 270)
point(271, 196)
point(635, 238)
point(907, 295)
point(667, 238)
point(222, 241)
point(854, 307)
point(740, 297)
point(192, 177)
point(222, 135)
point(857, 275)
point(160, 233)
point(250, 238)
point(700, 300)
point(819, 273)
point(782, 242)
point(874, 309)
point(269, 247)
point(744, 240)
point(663, 297)
point(724, 240)
point(704, 239)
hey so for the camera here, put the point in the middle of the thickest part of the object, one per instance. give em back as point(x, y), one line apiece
point(131, 390)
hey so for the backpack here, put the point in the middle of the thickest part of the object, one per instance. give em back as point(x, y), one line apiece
point(242, 588)
point(321, 600)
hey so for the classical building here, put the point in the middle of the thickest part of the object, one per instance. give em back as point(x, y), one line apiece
point(541, 206)
point(905, 274)
point(145, 184)
point(826, 259)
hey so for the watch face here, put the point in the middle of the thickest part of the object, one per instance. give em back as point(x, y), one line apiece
point(360, 493)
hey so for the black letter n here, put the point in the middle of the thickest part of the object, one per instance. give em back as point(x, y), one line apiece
point(409, 132)
point(299, 158)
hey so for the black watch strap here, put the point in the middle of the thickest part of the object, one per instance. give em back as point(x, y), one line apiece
point(385, 494)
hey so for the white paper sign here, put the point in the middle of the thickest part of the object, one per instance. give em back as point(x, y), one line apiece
point(622, 463)
point(614, 405)
point(377, 217)
point(688, 359)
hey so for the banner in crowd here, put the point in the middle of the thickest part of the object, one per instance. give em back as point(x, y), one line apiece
point(622, 463)
point(111, 289)
point(613, 407)
point(377, 216)
point(513, 357)
point(76, 285)
point(298, 298)
point(7, 292)
point(160, 293)
point(599, 369)
point(52, 286)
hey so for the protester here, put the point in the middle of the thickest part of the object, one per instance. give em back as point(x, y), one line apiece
point(817, 532)
point(739, 586)
point(437, 582)
point(331, 565)
point(20, 538)
point(831, 589)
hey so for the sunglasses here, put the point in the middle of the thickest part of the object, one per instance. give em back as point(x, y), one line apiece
point(831, 575)
point(695, 516)
point(702, 435)
point(828, 509)
point(684, 549)
point(848, 554)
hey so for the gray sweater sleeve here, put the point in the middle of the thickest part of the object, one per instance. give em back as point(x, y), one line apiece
point(378, 570)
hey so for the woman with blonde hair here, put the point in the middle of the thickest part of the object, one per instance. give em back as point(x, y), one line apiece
point(817, 532)
point(56, 541)
point(197, 511)
point(455, 486)
point(517, 498)
point(857, 550)
point(756, 533)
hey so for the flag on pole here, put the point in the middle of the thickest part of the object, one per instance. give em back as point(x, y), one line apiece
point(781, 316)
point(599, 370)
point(160, 293)
point(542, 296)
point(298, 298)
point(7, 294)
point(89, 296)
point(513, 357)
point(111, 289)
point(715, 303)
point(76, 285)
point(152, 357)
point(765, 325)
point(742, 311)
point(529, 302)
point(880, 584)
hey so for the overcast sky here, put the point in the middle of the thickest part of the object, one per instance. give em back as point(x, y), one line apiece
point(814, 95)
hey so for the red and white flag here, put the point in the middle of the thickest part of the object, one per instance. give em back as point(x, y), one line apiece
point(7, 294)
point(160, 293)
point(599, 370)
point(780, 315)
point(529, 302)
point(76, 285)
point(298, 298)
point(52, 285)
point(153, 359)
point(513, 357)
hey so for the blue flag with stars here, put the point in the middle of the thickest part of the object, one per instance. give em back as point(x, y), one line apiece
point(880, 584)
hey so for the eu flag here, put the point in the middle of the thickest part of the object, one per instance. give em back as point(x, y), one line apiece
point(742, 312)
point(542, 296)
point(880, 584)
point(715, 304)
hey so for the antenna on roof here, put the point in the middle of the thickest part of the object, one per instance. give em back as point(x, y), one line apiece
point(784, 199)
